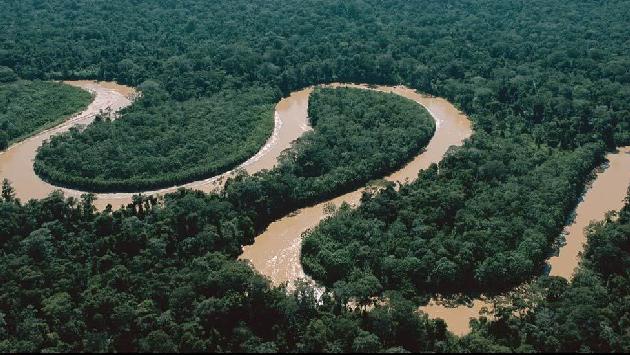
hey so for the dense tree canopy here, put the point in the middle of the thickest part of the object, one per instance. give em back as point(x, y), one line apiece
point(161, 143)
point(29, 106)
point(7, 75)
point(545, 82)
point(150, 278)
point(482, 219)
point(588, 315)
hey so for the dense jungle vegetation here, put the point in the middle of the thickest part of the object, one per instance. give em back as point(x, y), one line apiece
point(29, 106)
point(545, 82)
point(590, 314)
point(152, 278)
point(485, 221)
point(174, 143)
point(357, 135)
point(148, 278)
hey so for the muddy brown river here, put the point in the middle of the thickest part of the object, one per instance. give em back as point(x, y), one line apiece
point(607, 193)
point(16, 163)
point(276, 252)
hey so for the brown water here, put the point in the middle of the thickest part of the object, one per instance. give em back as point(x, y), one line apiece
point(276, 252)
point(16, 164)
point(126, 91)
point(457, 317)
point(607, 193)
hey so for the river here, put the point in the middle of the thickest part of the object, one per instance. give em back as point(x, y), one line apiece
point(16, 163)
point(276, 252)
point(607, 193)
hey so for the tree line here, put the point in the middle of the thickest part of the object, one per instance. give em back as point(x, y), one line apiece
point(30, 106)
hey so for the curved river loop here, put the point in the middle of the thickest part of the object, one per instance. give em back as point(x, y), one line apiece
point(276, 252)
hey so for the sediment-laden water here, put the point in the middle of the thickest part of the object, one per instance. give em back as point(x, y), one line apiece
point(276, 252)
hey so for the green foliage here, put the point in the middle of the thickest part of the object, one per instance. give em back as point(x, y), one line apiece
point(161, 144)
point(230, 49)
point(29, 106)
point(590, 314)
point(152, 278)
point(359, 134)
point(484, 218)
point(7, 75)
point(545, 82)
point(516, 69)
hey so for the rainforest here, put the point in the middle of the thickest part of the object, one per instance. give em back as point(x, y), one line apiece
point(314, 176)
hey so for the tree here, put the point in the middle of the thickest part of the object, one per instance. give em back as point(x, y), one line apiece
point(8, 192)
point(38, 245)
point(157, 341)
point(87, 201)
point(366, 342)
point(58, 307)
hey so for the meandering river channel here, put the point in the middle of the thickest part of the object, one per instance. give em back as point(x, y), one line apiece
point(16, 163)
point(276, 252)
